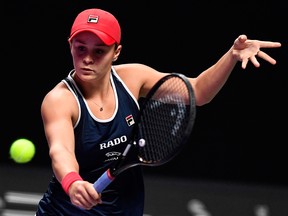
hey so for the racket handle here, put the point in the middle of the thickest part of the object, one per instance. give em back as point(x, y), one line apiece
point(103, 181)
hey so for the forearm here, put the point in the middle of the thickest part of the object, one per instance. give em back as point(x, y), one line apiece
point(63, 162)
point(209, 82)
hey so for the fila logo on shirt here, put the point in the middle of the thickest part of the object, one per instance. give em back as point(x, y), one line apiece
point(130, 120)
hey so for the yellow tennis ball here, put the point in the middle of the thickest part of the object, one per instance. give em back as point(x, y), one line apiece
point(22, 150)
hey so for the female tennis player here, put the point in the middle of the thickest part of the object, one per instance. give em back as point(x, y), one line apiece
point(89, 116)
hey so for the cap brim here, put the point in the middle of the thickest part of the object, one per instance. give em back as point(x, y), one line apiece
point(103, 36)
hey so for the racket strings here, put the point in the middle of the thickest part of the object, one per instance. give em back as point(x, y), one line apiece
point(164, 121)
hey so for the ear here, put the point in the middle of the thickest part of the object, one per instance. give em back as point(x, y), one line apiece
point(117, 52)
point(70, 44)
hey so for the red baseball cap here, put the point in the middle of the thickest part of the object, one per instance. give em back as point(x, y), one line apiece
point(99, 22)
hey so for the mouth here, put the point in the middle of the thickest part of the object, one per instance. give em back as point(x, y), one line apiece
point(86, 69)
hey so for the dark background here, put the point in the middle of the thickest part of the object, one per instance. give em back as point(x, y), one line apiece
point(241, 136)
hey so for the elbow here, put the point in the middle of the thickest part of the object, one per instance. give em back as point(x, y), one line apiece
point(56, 151)
point(202, 99)
point(202, 102)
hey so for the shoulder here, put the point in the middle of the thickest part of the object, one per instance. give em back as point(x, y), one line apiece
point(58, 99)
point(138, 77)
point(57, 92)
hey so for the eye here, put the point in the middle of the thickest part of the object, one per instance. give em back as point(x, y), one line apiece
point(81, 48)
point(99, 51)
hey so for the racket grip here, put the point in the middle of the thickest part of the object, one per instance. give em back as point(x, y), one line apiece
point(103, 181)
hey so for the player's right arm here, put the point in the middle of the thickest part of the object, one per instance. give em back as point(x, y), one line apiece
point(58, 126)
point(59, 111)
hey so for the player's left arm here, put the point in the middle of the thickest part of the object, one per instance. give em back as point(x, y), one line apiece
point(209, 82)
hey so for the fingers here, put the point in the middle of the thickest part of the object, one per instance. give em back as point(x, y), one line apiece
point(85, 201)
point(242, 38)
point(244, 63)
point(84, 195)
point(269, 44)
point(254, 60)
point(249, 50)
point(266, 57)
point(239, 42)
point(88, 200)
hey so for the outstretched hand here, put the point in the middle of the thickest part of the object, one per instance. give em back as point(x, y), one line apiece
point(245, 50)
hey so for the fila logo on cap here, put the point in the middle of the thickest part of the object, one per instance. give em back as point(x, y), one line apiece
point(93, 19)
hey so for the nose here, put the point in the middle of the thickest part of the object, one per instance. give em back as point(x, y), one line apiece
point(88, 59)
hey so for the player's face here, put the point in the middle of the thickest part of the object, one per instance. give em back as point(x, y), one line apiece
point(90, 55)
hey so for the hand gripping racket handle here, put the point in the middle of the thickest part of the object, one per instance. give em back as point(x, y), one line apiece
point(103, 181)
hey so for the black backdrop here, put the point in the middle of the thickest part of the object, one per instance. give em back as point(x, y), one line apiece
point(240, 136)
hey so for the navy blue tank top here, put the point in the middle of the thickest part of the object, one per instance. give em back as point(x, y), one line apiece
point(98, 144)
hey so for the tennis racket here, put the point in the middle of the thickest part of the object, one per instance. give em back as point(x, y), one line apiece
point(164, 125)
